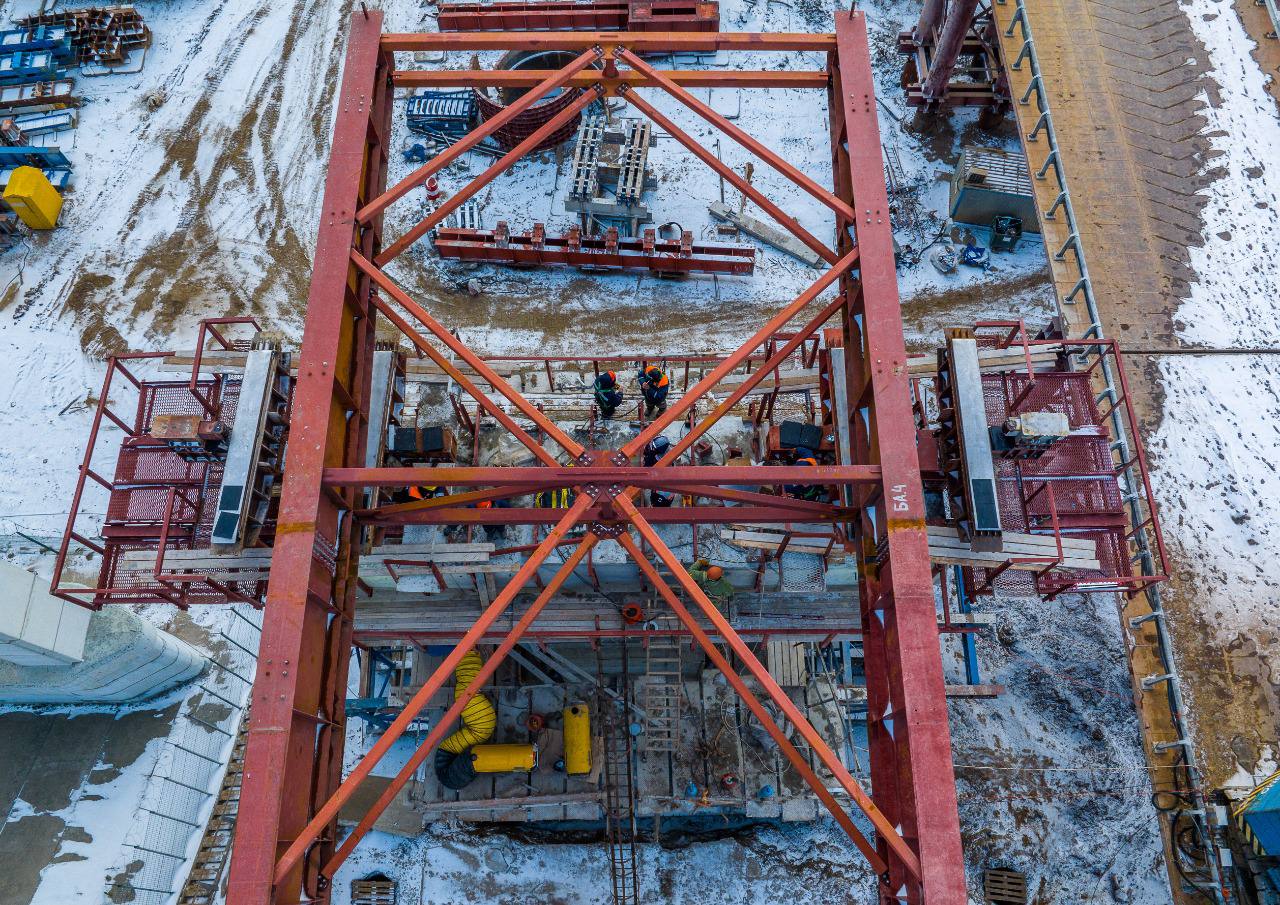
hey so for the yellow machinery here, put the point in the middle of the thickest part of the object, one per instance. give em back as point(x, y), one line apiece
point(478, 718)
point(503, 758)
point(577, 739)
point(33, 198)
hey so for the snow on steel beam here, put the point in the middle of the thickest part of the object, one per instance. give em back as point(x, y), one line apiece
point(912, 772)
point(295, 739)
point(642, 42)
point(686, 78)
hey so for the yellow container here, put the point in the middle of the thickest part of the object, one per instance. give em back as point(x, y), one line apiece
point(577, 739)
point(504, 758)
point(33, 198)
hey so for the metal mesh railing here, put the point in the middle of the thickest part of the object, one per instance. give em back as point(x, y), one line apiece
point(184, 783)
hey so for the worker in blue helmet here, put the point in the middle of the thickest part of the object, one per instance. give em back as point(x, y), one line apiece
point(655, 449)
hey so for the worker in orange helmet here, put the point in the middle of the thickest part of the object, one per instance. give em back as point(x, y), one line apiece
point(608, 396)
point(806, 458)
point(654, 384)
point(713, 583)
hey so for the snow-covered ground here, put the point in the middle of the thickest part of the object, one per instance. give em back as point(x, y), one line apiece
point(197, 192)
point(1213, 458)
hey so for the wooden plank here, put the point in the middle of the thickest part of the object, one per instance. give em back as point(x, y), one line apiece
point(975, 691)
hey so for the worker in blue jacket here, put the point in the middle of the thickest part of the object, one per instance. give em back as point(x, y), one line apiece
point(608, 396)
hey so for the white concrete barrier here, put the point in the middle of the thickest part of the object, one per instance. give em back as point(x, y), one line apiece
point(60, 653)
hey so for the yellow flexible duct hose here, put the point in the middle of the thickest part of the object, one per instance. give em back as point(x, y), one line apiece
point(479, 719)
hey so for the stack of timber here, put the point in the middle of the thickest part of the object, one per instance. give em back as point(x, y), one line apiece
point(1029, 552)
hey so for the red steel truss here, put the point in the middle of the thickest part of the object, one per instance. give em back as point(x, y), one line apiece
point(286, 849)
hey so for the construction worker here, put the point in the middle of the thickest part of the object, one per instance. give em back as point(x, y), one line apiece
point(713, 583)
point(806, 458)
point(654, 385)
point(661, 498)
point(559, 498)
point(421, 492)
point(655, 449)
point(608, 396)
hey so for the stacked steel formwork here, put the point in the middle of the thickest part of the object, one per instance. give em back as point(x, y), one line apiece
point(286, 848)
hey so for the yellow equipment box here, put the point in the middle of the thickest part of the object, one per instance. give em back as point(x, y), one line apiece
point(504, 758)
point(577, 739)
point(33, 198)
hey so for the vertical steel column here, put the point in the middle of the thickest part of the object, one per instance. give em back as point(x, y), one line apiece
point(912, 776)
point(294, 756)
point(942, 62)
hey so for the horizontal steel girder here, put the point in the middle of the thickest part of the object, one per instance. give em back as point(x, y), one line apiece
point(632, 475)
point(527, 78)
point(641, 42)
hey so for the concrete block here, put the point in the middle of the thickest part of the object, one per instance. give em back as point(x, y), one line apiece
point(15, 591)
point(50, 630)
point(73, 629)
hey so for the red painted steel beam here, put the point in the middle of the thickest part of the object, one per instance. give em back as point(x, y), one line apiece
point(797, 508)
point(591, 251)
point(465, 382)
point(737, 134)
point(588, 56)
point(536, 16)
point(476, 363)
point(955, 28)
point(885, 830)
point(730, 175)
point(296, 730)
point(912, 770)
point(446, 722)
point(328, 811)
point(678, 409)
point(603, 475)
point(528, 78)
point(469, 498)
point(496, 169)
point(642, 42)
point(661, 515)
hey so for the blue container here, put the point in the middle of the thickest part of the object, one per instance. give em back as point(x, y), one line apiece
point(1263, 820)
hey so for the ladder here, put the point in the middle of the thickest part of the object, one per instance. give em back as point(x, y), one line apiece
point(214, 854)
point(619, 790)
point(662, 690)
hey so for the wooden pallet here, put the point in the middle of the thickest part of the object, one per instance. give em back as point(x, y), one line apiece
point(1002, 886)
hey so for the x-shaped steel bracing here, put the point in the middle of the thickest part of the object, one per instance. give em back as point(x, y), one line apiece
point(604, 498)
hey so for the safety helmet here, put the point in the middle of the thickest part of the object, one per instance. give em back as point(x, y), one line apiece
point(715, 573)
point(609, 378)
point(807, 460)
point(660, 443)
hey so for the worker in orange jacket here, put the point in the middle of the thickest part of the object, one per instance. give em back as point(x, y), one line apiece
point(654, 384)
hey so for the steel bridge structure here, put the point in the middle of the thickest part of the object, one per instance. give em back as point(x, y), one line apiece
point(286, 848)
